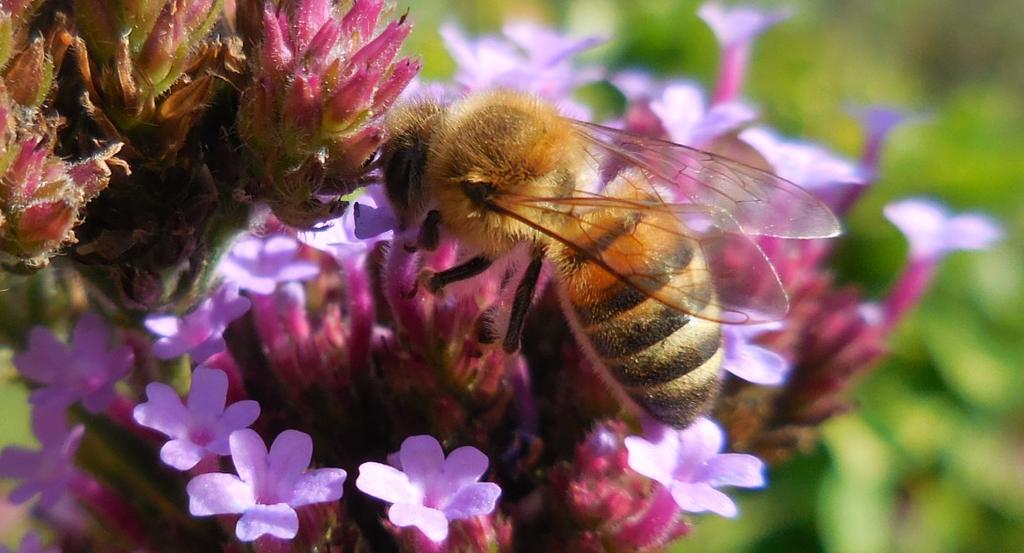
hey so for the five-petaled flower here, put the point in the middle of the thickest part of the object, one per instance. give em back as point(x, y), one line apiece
point(85, 371)
point(49, 470)
point(750, 361)
point(428, 490)
point(689, 463)
point(260, 264)
point(268, 487)
point(203, 426)
point(199, 333)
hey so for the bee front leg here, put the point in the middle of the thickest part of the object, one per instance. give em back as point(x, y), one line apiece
point(521, 305)
point(469, 269)
point(430, 232)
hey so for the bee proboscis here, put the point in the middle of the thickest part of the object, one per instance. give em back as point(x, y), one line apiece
point(651, 242)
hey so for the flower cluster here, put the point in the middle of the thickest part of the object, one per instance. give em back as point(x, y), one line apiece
point(210, 327)
point(312, 114)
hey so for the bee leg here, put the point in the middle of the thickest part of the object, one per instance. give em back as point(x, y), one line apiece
point(430, 231)
point(521, 304)
point(469, 269)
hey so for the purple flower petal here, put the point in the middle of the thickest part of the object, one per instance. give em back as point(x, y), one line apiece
point(422, 458)
point(370, 221)
point(473, 500)
point(759, 365)
point(387, 483)
point(734, 469)
point(208, 392)
point(702, 497)
point(464, 465)
point(319, 486)
point(240, 415)
point(90, 335)
point(249, 454)
point(290, 454)
point(181, 454)
point(431, 522)
point(217, 494)
point(699, 443)
point(277, 520)
point(162, 411)
point(750, 361)
point(649, 460)
point(45, 357)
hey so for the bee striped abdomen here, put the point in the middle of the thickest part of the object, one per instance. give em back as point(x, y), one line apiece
point(665, 360)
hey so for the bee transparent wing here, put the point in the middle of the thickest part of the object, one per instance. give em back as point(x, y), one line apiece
point(760, 203)
point(686, 256)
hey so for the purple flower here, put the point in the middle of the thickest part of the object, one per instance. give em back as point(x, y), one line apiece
point(259, 264)
point(48, 471)
point(806, 164)
point(31, 543)
point(741, 24)
point(85, 371)
point(688, 120)
point(530, 57)
point(750, 361)
point(351, 236)
point(878, 122)
point(933, 231)
point(268, 487)
point(689, 464)
point(198, 333)
point(203, 426)
point(428, 490)
point(736, 28)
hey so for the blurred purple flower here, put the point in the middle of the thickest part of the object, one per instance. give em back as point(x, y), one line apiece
point(688, 120)
point(428, 490)
point(809, 165)
point(259, 264)
point(688, 462)
point(750, 361)
point(933, 231)
point(878, 122)
point(203, 426)
point(86, 371)
point(48, 471)
point(736, 28)
point(268, 487)
point(349, 237)
point(529, 57)
point(31, 543)
point(198, 333)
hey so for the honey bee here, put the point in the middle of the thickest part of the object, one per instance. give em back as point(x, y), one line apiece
point(650, 241)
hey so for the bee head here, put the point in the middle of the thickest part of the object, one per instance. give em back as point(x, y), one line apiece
point(404, 157)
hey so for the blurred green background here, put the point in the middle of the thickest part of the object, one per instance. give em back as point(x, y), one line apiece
point(933, 461)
